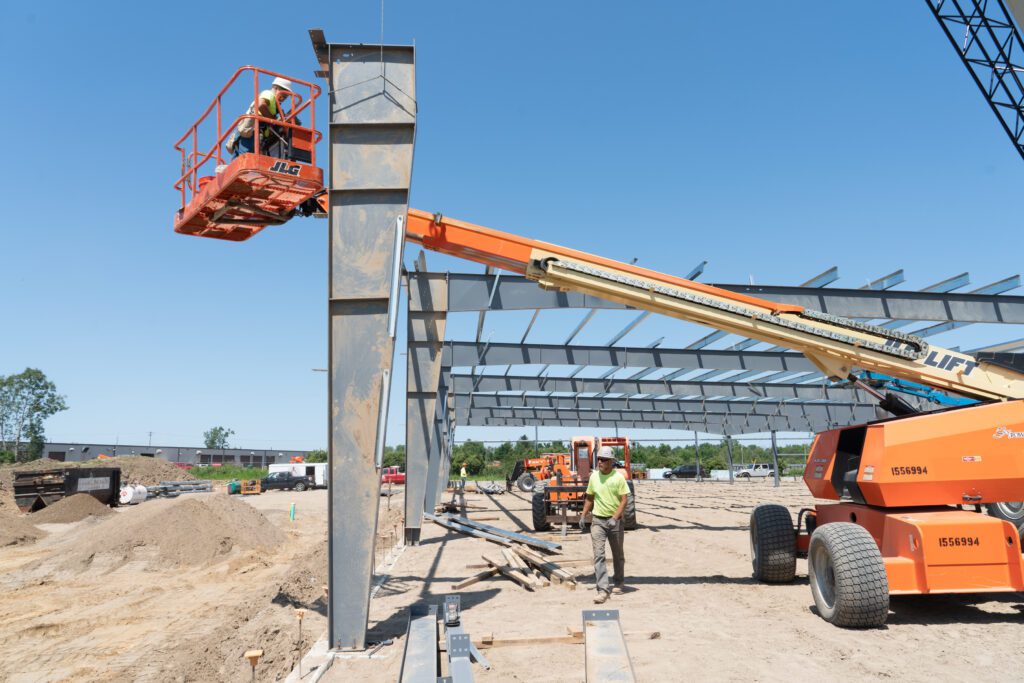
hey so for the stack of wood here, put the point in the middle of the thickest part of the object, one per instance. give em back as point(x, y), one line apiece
point(526, 567)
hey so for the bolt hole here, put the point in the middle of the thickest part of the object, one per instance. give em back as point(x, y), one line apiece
point(1009, 540)
point(853, 517)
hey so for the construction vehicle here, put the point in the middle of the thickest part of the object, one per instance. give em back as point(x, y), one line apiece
point(903, 485)
point(900, 526)
point(559, 500)
point(526, 473)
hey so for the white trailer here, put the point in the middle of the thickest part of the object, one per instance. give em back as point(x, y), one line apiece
point(316, 470)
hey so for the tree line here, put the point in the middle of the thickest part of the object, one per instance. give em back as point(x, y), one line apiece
point(496, 461)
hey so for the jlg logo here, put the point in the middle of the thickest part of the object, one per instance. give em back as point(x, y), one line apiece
point(283, 167)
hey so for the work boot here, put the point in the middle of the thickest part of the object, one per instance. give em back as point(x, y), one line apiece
point(619, 588)
point(602, 597)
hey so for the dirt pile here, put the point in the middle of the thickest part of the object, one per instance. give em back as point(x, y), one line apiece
point(139, 470)
point(186, 531)
point(303, 586)
point(16, 529)
point(71, 509)
point(134, 470)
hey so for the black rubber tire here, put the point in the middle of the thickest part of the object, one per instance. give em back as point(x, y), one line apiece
point(540, 508)
point(1011, 512)
point(629, 513)
point(743, 475)
point(847, 576)
point(772, 544)
point(667, 475)
point(526, 482)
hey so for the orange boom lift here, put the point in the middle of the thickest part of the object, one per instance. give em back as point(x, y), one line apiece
point(909, 488)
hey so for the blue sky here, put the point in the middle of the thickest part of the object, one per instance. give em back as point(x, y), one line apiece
point(772, 143)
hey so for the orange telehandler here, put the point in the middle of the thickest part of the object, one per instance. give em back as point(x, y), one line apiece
point(525, 473)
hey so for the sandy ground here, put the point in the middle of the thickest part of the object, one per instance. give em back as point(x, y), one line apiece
point(688, 569)
point(184, 606)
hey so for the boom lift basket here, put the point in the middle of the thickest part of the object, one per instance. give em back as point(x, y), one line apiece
point(235, 199)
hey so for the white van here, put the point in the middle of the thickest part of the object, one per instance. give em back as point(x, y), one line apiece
point(316, 470)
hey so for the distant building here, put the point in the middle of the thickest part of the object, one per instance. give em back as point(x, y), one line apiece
point(245, 457)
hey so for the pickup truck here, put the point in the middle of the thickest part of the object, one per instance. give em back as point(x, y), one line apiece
point(392, 475)
point(286, 480)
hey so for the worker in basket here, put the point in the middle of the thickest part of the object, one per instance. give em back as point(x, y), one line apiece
point(273, 140)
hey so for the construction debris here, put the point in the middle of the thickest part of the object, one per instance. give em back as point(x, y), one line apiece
point(526, 539)
point(490, 488)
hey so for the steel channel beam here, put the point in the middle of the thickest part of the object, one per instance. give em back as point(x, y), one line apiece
point(462, 383)
point(421, 658)
point(371, 135)
point(710, 414)
point(607, 658)
point(472, 292)
point(675, 404)
point(425, 339)
point(468, 354)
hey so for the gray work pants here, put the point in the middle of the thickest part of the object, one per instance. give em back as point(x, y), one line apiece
point(609, 530)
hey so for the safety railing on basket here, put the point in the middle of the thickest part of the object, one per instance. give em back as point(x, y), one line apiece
point(193, 158)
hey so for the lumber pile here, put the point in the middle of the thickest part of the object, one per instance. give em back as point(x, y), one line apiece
point(527, 568)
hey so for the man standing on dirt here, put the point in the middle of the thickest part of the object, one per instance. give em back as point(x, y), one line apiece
point(606, 495)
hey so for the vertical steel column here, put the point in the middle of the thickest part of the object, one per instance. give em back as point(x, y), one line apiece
point(775, 458)
point(428, 306)
point(728, 455)
point(696, 456)
point(432, 493)
point(371, 135)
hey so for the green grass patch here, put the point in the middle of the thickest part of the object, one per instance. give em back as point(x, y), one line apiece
point(228, 472)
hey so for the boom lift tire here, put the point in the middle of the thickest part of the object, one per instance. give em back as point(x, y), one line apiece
point(1011, 512)
point(847, 576)
point(540, 508)
point(772, 544)
point(526, 482)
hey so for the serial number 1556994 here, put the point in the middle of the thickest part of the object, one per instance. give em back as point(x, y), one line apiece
point(958, 541)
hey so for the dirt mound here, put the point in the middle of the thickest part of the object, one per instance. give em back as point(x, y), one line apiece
point(186, 531)
point(136, 469)
point(71, 509)
point(303, 586)
point(16, 529)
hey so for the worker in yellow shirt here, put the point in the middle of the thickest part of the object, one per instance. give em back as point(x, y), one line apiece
point(606, 496)
point(462, 477)
point(268, 105)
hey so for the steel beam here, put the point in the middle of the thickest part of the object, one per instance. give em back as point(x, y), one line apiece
point(710, 414)
point(674, 404)
point(428, 299)
point(472, 292)
point(371, 134)
point(463, 383)
point(469, 354)
point(607, 658)
point(733, 427)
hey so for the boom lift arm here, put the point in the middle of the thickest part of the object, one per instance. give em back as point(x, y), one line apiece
point(834, 344)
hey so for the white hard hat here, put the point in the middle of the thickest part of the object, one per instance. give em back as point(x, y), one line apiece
point(283, 84)
point(605, 453)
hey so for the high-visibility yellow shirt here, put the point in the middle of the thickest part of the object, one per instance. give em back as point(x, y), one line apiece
point(463, 473)
point(607, 490)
